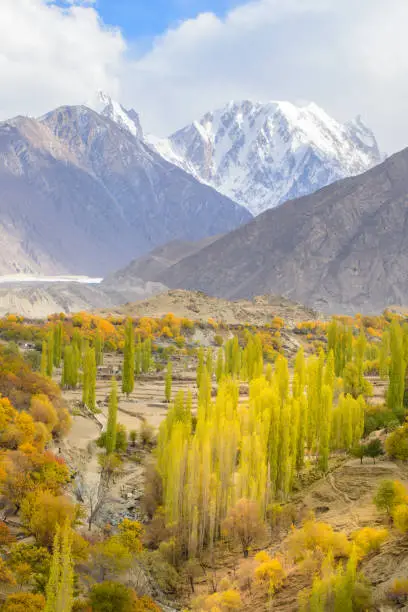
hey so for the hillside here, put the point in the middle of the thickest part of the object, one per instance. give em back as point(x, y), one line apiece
point(150, 266)
point(200, 307)
point(81, 194)
point(342, 248)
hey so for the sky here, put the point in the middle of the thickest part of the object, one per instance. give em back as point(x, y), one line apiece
point(174, 60)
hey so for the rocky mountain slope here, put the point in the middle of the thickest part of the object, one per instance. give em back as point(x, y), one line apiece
point(154, 264)
point(80, 193)
point(261, 155)
point(342, 248)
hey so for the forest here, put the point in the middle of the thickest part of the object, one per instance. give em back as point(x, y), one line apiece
point(267, 413)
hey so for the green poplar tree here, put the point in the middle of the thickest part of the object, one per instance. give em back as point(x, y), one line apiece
point(325, 426)
point(146, 355)
point(138, 357)
point(50, 353)
point(209, 362)
point(60, 587)
point(219, 368)
point(98, 343)
point(111, 427)
point(70, 367)
point(395, 395)
point(383, 354)
point(168, 382)
point(44, 358)
point(57, 343)
point(89, 379)
point(128, 374)
point(200, 366)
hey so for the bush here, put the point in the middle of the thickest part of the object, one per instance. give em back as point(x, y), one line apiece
point(400, 517)
point(111, 597)
point(390, 494)
point(147, 437)
point(368, 539)
point(164, 574)
point(24, 602)
point(396, 444)
point(33, 358)
point(398, 593)
point(218, 340)
point(379, 419)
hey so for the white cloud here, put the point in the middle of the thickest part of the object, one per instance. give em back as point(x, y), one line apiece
point(52, 55)
point(350, 57)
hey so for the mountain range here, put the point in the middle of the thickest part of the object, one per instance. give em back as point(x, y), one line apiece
point(80, 193)
point(261, 155)
point(85, 191)
point(341, 249)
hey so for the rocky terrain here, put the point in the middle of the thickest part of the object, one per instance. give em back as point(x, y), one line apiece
point(40, 299)
point(344, 248)
point(200, 307)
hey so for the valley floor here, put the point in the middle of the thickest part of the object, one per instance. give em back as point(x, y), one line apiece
point(343, 499)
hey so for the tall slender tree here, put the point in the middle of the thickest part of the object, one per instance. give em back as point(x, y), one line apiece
point(70, 367)
point(98, 343)
point(395, 395)
point(89, 379)
point(44, 358)
point(168, 382)
point(57, 343)
point(111, 427)
point(60, 587)
point(128, 374)
point(50, 353)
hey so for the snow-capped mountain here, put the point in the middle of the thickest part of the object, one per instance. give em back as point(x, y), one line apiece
point(261, 155)
point(107, 107)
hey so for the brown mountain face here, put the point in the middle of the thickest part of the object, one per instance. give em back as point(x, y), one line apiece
point(342, 248)
point(80, 194)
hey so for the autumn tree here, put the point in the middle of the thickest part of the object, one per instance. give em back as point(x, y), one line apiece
point(43, 512)
point(244, 524)
point(390, 494)
point(396, 443)
point(110, 558)
point(24, 602)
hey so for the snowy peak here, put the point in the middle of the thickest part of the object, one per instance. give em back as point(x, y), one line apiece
point(263, 154)
point(127, 119)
